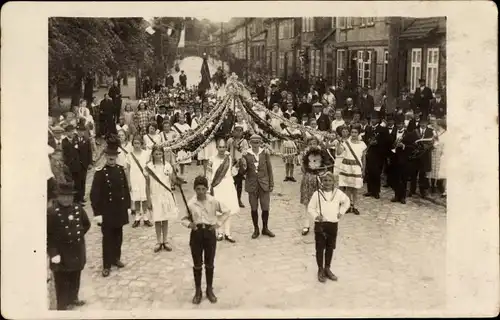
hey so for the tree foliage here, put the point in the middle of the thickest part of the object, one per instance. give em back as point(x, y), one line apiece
point(79, 45)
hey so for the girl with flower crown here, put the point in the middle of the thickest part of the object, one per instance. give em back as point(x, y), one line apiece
point(160, 176)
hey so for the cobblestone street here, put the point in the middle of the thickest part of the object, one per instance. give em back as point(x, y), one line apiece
point(391, 256)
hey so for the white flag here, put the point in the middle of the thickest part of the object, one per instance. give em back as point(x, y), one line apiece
point(181, 39)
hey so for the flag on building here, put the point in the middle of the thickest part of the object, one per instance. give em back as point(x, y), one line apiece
point(181, 38)
point(205, 75)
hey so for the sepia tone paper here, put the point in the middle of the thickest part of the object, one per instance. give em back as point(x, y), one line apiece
point(472, 267)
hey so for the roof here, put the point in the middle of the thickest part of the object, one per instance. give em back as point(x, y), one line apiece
point(421, 28)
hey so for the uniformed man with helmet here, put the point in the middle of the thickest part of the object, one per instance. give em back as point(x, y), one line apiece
point(67, 224)
point(110, 200)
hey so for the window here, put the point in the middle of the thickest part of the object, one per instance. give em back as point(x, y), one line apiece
point(307, 24)
point(311, 61)
point(364, 68)
point(432, 68)
point(272, 32)
point(386, 63)
point(341, 21)
point(333, 23)
point(341, 58)
point(367, 21)
point(317, 64)
point(349, 22)
point(289, 61)
point(281, 62)
point(286, 29)
point(415, 71)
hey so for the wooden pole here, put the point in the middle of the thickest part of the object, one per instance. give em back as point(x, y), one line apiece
point(393, 63)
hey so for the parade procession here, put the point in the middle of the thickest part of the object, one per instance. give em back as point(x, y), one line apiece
point(214, 184)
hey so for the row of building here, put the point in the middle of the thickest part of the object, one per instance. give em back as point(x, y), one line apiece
point(350, 49)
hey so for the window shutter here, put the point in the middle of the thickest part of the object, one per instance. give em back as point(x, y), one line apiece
point(373, 70)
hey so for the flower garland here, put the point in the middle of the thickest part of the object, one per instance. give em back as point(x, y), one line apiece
point(210, 137)
point(190, 135)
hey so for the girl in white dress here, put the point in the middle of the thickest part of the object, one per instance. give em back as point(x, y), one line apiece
point(225, 192)
point(343, 132)
point(160, 200)
point(183, 157)
point(136, 161)
point(125, 148)
point(151, 138)
point(351, 174)
point(167, 136)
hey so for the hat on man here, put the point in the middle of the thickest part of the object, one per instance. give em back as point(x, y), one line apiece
point(317, 104)
point(65, 188)
point(81, 127)
point(112, 146)
point(255, 137)
point(70, 128)
point(57, 129)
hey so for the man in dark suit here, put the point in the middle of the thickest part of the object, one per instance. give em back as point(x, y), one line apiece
point(110, 200)
point(322, 119)
point(273, 97)
point(321, 85)
point(116, 95)
point(404, 103)
point(390, 159)
point(67, 224)
point(422, 98)
point(423, 163)
point(366, 104)
point(403, 146)
point(183, 79)
point(259, 183)
point(376, 138)
point(260, 91)
point(146, 86)
point(169, 81)
point(304, 109)
point(289, 113)
point(106, 117)
point(73, 160)
point(438, 106)
point(85, 158)
point(56, 138)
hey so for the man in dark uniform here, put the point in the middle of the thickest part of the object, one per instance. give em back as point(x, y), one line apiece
point(110, 199)
point(423, 162)
point(422, 98)
point(403, 146)
point(260, 91)
point(376, 138)
point(72, 156)
point(169, 81)
point(84, 151)
point(67, 224)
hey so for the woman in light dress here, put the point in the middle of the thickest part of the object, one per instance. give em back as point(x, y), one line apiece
point(351, 173)
point(183, 157)
point(343, 132)
point(152, 137)
point(136, 161)
point(167, 136)
point(125, 148)
point(438, 170)
point(161, 201)
point(225, 192)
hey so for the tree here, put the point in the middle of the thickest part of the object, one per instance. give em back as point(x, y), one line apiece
point(81, 45)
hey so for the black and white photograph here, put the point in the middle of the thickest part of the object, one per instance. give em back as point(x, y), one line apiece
point(247, 163)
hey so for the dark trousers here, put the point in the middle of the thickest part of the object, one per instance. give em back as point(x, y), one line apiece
point(390, 171)
point(118, 108)
point(439, 184)
point(238, 183)
point(325, 236)
point(401, 176)
point(373, 173)
point(203, 244)
point(67, 285)
point(79, 179)
point(112, 239)
point(423, 183)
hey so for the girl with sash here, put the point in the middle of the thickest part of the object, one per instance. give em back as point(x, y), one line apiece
point(220, 171)
point(290, 150)
point(136, 161)
point(343, 135)
point(125, 147)
point(159, 177)
point(183, 157)
point(353, 164)
point(151, 138)
point(326, 207)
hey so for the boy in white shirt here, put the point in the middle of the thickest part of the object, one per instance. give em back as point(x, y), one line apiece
point(326, 207)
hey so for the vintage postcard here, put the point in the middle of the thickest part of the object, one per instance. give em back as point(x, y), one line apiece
point(249, 159)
